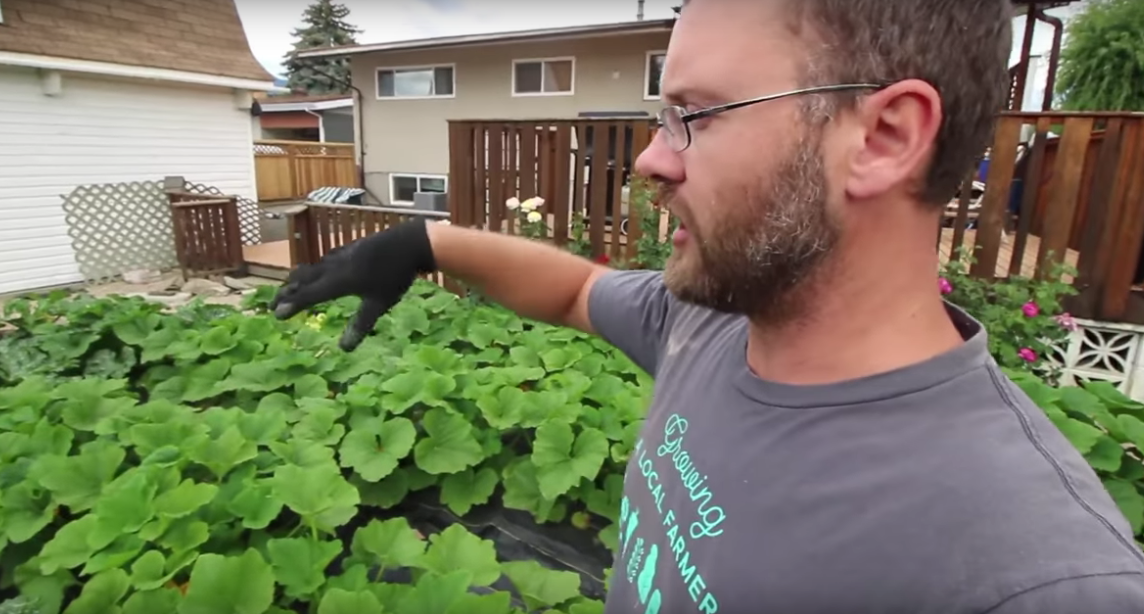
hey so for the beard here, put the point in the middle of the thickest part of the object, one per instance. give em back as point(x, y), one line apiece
point(756, 259)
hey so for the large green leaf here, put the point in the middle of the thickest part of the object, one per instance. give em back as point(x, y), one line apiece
point(542, 587)
point(450, 446)
point(1130, 501)
point(562, 459)
point(241, 584)
point(338, 601)
point(300, 564)
point(101, 594)
point(319, 494)
point(391, 543)
point(456, 549)
point(374, 448)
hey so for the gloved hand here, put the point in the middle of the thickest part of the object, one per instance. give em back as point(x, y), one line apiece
point(379, 268)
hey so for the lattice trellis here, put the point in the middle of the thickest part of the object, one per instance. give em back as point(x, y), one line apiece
point(120, 227)
point(249, 213)
point(1100, 351)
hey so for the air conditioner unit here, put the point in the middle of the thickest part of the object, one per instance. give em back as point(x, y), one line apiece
point(431, 201)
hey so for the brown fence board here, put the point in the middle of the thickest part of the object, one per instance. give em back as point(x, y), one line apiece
point(498, 190)
point(1064, 190)
point(1029, 198)
point(994, 204)
point(560, 205)
point(1129, 230)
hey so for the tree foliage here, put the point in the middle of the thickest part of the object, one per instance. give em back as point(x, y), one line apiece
point(324, 25)
point(1102, 64)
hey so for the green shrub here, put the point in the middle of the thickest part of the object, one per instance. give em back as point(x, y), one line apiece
point(1023, 316)
point(1102, 64)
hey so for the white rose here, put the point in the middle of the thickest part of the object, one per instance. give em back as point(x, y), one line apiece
point(534, 216)
point(513, 203)
point(531, 204)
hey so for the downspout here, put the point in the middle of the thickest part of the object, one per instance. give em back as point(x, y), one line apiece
point(1026, 59)
point(359, 111)
point(1054, 56)
point(321, 124)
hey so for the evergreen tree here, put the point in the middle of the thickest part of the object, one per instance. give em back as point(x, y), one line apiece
point(324, 25)
point(1102, 64)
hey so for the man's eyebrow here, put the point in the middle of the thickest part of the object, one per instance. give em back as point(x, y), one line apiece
point(690, 95)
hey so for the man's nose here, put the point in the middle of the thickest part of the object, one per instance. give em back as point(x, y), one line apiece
point(660, 162)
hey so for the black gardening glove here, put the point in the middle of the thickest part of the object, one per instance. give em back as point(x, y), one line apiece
point(379, 268)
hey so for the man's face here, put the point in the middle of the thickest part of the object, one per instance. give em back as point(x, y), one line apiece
point(751, 191)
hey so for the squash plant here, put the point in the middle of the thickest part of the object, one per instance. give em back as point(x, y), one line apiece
point(1107, 428)
point(215, 461)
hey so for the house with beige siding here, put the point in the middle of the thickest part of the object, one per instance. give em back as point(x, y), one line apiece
point(111, 92)
point(409, 90)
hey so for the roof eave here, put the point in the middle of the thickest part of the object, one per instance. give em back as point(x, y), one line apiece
point(323, 105)
point(46, 62)
point(500, 38)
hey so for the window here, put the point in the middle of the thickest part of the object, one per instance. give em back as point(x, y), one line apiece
point(417, 82)
point(547, 77)
point(403, 187)
point(653, 74)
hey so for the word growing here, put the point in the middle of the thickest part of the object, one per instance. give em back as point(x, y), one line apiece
point(710, 516)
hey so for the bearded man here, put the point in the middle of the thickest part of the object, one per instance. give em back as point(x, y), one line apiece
point(827, 435)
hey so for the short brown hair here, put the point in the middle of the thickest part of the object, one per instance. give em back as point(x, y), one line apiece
point(960, 47)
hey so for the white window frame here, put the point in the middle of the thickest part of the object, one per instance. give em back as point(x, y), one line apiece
point(377, 81)
point(418, 176)
point(647, 75)
point(570, 92)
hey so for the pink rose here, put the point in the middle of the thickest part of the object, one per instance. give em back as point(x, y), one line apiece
point(1027, 355)
point(1067, 322)
point(1031, 310)
point(944, 285)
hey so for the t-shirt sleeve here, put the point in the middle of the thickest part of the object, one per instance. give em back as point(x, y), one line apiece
point(631, 310)
point(1101, 593)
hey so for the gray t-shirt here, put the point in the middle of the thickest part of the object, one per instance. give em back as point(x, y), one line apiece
point(938, 488)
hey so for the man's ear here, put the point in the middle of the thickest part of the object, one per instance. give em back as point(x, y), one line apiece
point(898, 125)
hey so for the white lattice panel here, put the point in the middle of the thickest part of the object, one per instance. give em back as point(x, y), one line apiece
point(119, 227)
point(1102, 351)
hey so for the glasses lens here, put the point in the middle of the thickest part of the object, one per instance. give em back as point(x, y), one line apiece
point(671, 121)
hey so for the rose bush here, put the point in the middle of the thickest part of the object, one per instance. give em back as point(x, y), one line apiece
point(1024, 317)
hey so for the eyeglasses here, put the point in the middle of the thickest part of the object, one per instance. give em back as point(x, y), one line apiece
point(674, 120)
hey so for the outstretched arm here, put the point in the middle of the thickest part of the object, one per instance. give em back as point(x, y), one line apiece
point(534, 279)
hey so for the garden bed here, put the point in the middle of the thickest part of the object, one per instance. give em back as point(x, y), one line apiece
point(218, 461)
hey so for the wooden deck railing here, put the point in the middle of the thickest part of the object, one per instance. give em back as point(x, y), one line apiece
point(208, 235)
point(318, 228)
point(577, 166)
point(289, 170)
point(1075, 195)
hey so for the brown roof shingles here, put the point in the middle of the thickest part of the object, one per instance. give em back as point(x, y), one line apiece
point(201, 36)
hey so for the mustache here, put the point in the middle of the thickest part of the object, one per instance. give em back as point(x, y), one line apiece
point(667, 197)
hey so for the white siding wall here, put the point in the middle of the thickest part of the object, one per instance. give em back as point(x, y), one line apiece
point(102, 131)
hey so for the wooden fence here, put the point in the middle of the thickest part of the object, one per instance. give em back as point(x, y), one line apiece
point(578, 166)
point(318, 228)
point(289, 170)
point(1062, 187)
point(1059, 187)
point(208, 235)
